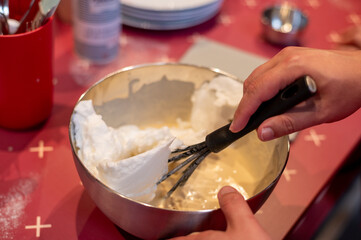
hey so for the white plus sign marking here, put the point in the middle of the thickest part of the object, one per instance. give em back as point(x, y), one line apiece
point(314, 3)
point(38, 226)
point(288, 172)
point(224, 19)
point(194, 37)
point(250, 3)
point(354, 18)
point(333, 36)
point(316, 138)
point(166, 59)
point(41, 149)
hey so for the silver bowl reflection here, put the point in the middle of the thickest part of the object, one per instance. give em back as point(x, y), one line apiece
point(283, 24)
point(148, 94)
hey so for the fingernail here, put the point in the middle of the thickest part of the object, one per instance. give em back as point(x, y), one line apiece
point(227, 189)
point(231, 128)
point(267, 134)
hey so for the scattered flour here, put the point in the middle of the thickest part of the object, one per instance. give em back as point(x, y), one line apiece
point(12, 206)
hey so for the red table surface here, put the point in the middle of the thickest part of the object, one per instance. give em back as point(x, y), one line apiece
point(39, 184)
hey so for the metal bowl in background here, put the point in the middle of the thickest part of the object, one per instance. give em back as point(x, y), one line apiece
point(283, 24)
point(159, 93)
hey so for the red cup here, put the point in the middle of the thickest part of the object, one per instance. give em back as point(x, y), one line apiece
point(26, 77)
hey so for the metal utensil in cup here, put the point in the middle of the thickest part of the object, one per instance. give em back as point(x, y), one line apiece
point(4, 8)
point(4, 16)
point(23, 21)
point(46, 10)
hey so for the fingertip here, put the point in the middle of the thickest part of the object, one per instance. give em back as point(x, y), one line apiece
point(226, 190)
point(266, 134)
point(233, 128)
point(237, 124)
point(229, 195)
point(233, 206)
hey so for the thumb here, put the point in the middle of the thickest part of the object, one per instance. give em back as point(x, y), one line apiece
point(239, 217)
point(287, 123)
point(234, 207)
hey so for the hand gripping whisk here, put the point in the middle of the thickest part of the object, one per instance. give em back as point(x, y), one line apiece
point(300, 90)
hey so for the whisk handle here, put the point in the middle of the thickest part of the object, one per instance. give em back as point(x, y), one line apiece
point(298, 91)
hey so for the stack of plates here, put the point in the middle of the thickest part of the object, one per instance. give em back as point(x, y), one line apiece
point(168, 14)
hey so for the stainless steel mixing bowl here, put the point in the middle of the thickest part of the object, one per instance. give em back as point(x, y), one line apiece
point(283, 24)
point(158, 94)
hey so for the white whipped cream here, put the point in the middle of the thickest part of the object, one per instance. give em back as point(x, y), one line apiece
point(131, 160)
point(127, 159)
point(214, 103)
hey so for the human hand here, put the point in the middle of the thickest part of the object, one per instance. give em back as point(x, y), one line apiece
point(338, 78)
point(241, 223)
point(348, 39)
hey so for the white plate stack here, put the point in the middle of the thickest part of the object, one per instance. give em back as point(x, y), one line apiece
point(168, 14)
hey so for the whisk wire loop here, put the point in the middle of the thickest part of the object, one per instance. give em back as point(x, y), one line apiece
point(200, 156)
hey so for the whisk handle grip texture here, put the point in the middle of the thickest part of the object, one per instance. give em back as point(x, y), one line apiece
point(298, 91)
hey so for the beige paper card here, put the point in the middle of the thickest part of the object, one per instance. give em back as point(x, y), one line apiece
point(209, 53)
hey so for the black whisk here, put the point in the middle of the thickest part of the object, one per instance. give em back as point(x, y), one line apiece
point(300, 90)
